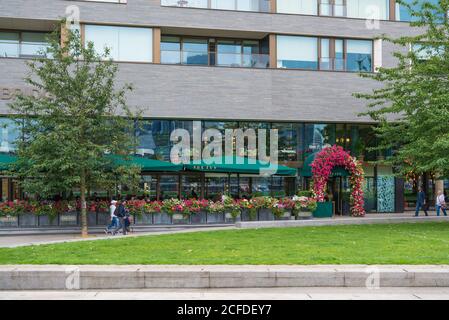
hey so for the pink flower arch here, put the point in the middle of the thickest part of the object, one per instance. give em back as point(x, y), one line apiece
point(322, 166)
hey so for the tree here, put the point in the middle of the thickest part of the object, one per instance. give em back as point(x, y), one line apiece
point(412, 105)
point(69, 132)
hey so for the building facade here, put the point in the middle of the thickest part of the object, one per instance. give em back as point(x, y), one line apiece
point(291, 65)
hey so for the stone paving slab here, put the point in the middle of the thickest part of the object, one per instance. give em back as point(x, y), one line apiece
point(232, 294)
point(143, 277)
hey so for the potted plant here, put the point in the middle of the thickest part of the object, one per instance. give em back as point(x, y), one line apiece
point(8, 215)
point(303, 207)
point(215, 212)
point(197, 210)
point(232, 208)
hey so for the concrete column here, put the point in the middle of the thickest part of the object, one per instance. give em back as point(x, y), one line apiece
point(273, 51)
point(156, 45)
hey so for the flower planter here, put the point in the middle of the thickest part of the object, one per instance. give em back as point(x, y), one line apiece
point(304, 215)
point(198, 218)
point(103, 219)
point(215, 218)
point(68, 219)
point(323, 210)
point(47, 221)
point(230, 219)
point(9, 221)
point(27, 220)
point(179, 218)
point(143, 219)
point(286, 216)
point(162, 218)
point(247, 217)
point(265, 215)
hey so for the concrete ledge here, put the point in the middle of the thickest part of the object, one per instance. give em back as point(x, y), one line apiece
point(148, 277)
point(338, 221)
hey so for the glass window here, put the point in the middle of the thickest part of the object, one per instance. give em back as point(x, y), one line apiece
point(368, 9)
point(223, 4)
point(186, 3)
point(191, 187)
point(318, 136)
point(404, 14)
point(325, 59)
point(261, 186)
point(125, 44)
point(297, 6)
point(359, 55)
point(195, 51)
point(278, 187)
point(229, 53)
point(215, 186)
point(169, 187)
point(288, 140)
point(170, 50)
point(9, 44)
point(9, 135)
point(153, 139)
point(297, 52)
point(33, 44)
point(149, 187)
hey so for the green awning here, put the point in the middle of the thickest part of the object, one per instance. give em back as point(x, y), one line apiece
point(146, 164)
point(306, 170)
point(237, 165)
point(6, 160)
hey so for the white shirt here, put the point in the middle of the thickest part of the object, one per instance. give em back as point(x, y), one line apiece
point(112, 210)
point(440, 200)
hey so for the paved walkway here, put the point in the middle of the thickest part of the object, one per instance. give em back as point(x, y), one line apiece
point(236, 294)
point(33, 239)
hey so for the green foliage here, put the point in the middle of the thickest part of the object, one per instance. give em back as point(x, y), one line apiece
point(70, 129)
point(412, 104)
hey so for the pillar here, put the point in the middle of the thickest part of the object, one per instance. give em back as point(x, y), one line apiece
point(156, 45)
point(273, 51)
point(392, 10)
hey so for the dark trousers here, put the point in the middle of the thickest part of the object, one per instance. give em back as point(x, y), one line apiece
point(420, 206)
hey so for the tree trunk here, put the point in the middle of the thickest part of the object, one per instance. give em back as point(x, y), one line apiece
point(84, 230)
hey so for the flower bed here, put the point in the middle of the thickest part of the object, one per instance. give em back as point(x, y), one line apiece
point(170, 211)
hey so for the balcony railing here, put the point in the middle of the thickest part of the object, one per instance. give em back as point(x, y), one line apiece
point(332, 10)
point(215, 59)
point(234, 5)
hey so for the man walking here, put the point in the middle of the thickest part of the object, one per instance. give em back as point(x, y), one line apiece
point(440, 203)
point(121, 214)
point(421, 202)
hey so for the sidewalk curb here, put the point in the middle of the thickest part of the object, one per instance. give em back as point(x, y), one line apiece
point(174, 277)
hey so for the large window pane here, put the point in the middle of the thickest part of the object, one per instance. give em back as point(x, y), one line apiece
point(223, 4)
point(288, 140)
point(9, 44)
point(297, 52)
point(136, 44)
point(404, 14)
point(171, 50)
point(229, 53)
point(169, 187)
point(297, 6)
point(195, 51)
point(368, 9)
point(33, 44)
point(125, 44)
point(153, 139)
point(359, 55)
point(9, 135)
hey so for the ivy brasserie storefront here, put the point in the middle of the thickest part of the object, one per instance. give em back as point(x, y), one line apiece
point(298, 144)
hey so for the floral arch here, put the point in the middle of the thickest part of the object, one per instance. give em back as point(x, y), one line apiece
point(322, 166)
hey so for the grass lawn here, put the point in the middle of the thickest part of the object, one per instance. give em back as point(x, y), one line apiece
point(423, 243)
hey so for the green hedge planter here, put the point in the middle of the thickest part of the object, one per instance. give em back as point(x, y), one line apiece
point(323, 210)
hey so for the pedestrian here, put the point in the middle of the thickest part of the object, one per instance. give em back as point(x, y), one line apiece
point(114, 219)
point(441, 203)
point(421, 202)
point(120, 212)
